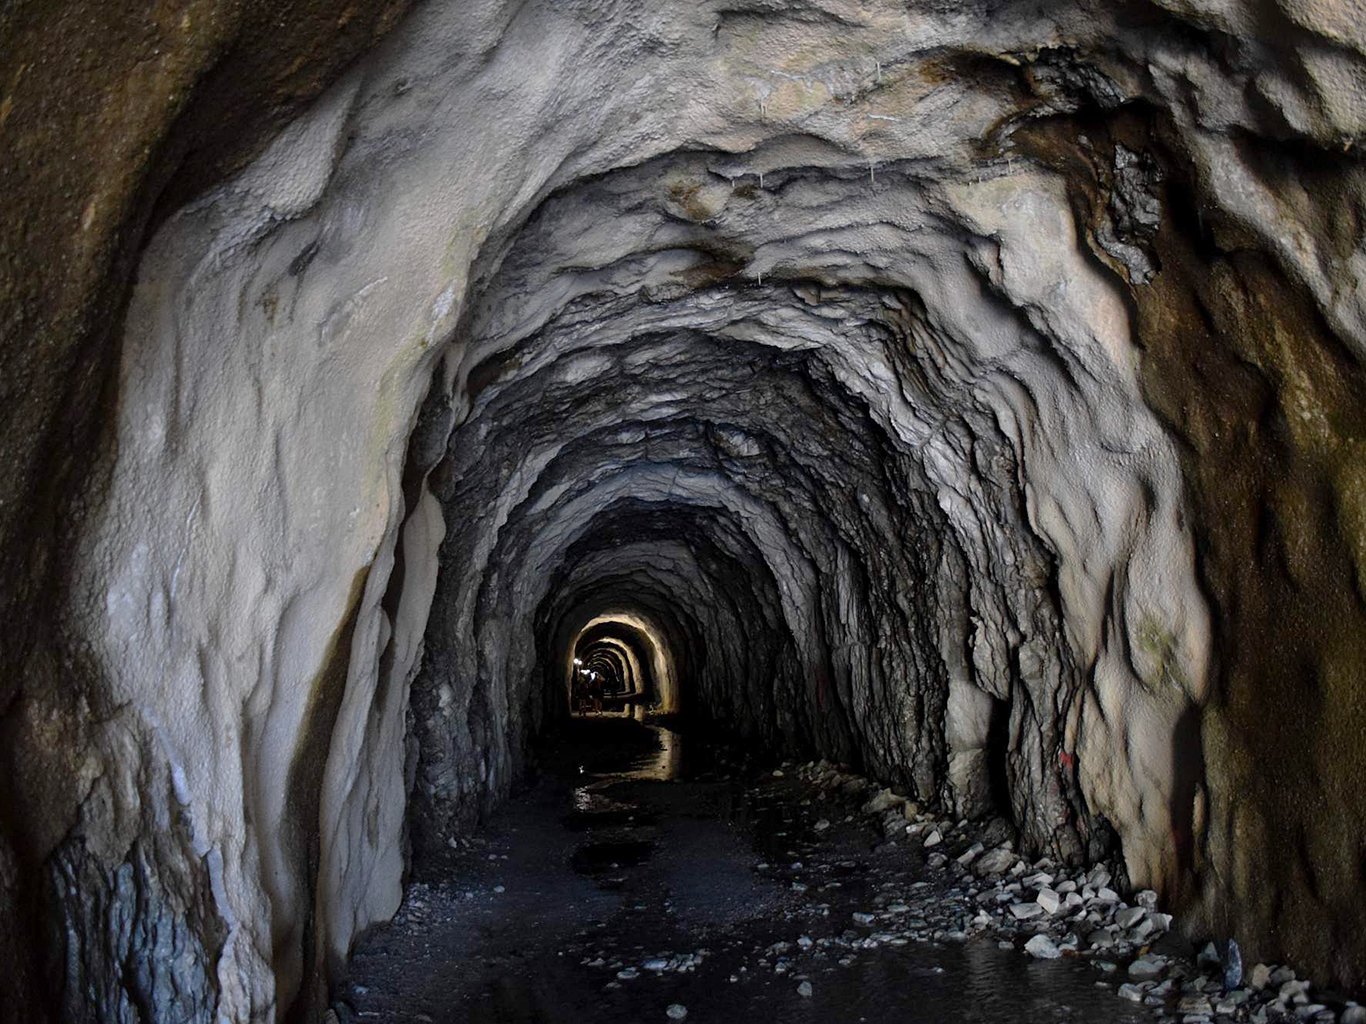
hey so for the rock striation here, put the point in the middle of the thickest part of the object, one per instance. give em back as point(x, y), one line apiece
point(971, 393)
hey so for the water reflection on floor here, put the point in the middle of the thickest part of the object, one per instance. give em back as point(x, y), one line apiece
point(629, 880)
point(655, 751)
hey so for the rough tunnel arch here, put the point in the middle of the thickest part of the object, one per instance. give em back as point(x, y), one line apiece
point(910, 369)
point(647, 660)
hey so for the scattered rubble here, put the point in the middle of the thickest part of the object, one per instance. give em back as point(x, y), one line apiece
point(1051, 910)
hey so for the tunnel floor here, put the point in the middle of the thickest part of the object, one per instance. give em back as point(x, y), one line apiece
point(647, 872)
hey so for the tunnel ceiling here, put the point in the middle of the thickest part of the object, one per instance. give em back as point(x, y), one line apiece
point(968, 392)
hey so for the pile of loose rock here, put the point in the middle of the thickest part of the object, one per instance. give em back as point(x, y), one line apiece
point(1052, 911)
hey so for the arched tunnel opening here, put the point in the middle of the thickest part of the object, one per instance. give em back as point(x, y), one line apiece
point(600, 511)
point(625, 658)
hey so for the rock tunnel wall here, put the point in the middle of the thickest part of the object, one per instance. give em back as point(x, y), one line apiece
point(756, 473)
point(971, 392)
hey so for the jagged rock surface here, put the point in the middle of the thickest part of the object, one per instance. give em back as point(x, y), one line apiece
point(969, 391)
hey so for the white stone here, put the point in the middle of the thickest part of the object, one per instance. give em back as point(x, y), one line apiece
point(1293, 991)
point(1194, 1002)
point(884, 800)
point(1146, 967)
point(1048, 900)
point(1127, 917)
point(993, 862)
point(1043, 947)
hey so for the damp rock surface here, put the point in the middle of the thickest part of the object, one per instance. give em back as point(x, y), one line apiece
point(969, 393)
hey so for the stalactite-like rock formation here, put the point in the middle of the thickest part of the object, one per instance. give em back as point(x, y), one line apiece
point(972, 393)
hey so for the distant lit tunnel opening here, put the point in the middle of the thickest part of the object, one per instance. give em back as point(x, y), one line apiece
point(620, 662)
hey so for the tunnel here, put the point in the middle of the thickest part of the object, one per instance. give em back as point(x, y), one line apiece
point(630, 657)
point(958, 409)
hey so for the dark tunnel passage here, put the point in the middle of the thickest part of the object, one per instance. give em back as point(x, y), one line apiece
point(577, 510)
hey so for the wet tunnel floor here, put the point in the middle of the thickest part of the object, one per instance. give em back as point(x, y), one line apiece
point(632, 878)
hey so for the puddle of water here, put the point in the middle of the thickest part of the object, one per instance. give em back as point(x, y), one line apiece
point(585, 820)
point(631, 852)
point(668, 763)
point(976, 983)
point(973, 983)
point(596, 858)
